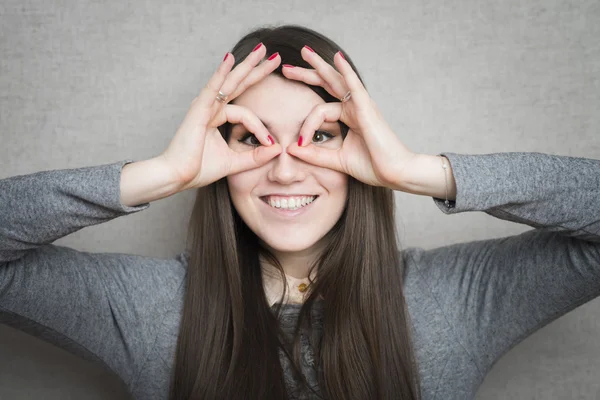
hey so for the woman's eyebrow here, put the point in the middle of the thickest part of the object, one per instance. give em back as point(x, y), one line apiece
point(268, 126)
point(298, 126)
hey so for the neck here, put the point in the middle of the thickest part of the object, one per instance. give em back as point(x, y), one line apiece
point(296, 266)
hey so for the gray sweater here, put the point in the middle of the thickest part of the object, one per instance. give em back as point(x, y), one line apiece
point(469, 302)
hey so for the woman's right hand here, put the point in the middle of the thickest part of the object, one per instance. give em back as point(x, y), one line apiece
point(198, 155)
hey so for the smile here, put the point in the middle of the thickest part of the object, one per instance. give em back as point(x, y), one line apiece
point(287, 212)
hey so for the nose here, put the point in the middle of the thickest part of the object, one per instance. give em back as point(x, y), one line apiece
point(286, 169)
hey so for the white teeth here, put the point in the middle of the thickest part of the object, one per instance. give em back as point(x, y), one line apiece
point(289, 203)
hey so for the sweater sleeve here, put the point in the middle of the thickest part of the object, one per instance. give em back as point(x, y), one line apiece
point(497, 292)
point(103, 307)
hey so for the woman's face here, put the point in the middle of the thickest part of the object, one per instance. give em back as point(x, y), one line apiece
point(282, 105)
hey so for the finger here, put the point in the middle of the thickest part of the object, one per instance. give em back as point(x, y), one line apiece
point(246, 160)
point(308, 76)
point(325, 112)
point(241, 115)
point(208, 94)
point(318, 156)
point(357, 89)
point(241, 71)
point(333, 78)
point(258, 73)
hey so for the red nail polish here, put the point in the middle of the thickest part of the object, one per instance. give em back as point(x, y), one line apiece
point(309, 49)
point(271, 140)
point(300, 141)
point(226, 55)
point(342, 54)
point(257, 46)
point(273, 56)
point(287, 66)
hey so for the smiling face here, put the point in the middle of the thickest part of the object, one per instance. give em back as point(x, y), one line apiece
point(283, 105)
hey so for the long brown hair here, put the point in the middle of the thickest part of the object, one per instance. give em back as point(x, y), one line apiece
point(230, 341)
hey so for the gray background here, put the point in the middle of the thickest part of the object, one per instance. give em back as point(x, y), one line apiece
point(91, 82)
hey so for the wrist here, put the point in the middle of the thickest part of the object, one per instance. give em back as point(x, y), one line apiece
point(146, 181)
point(425, 176)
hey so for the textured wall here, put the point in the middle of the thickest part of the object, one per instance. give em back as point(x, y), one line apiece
point(90, 82)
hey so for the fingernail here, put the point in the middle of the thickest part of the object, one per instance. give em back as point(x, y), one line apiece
point(271, 140)
point(288, 66)
point(309, 49)
point(342, 54)
point(300, 141)
point(273, 56)
point(257, 46)
point(226, 55)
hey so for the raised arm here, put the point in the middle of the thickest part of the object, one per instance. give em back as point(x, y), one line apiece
point(494, 293)
point(103, 307)
point(554, 193)
point(40, 208)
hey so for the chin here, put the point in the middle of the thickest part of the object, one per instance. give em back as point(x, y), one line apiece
point(287, 244)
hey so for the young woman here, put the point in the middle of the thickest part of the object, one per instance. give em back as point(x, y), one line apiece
point(292, 285)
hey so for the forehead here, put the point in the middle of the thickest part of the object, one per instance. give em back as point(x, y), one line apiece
point(279, 100)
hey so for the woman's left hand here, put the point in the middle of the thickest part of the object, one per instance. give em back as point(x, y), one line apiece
point(371, 152)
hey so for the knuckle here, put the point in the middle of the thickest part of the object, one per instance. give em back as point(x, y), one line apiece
point(265, 72)
point(320, 107)
point(240, 89)
point(211, 86)
point(322, 110)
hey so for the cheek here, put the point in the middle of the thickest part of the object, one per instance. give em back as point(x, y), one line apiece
point(241, 185)
point(239, 180)
point(338, 183)
point(236, 189)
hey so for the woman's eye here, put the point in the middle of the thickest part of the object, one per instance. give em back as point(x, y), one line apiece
point(321, 134)
point(251, 136)
point(318, 137)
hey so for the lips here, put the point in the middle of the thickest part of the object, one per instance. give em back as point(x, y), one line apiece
point(286, 214)
point(288, 195)
point(264, 198)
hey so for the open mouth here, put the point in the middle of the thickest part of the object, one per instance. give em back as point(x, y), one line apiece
point(284, 206)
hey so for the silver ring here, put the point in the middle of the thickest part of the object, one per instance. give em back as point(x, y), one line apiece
point(222, 97)
point(346, 97)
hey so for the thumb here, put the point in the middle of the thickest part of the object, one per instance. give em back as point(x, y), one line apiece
point(253, 159)
point(318, 156)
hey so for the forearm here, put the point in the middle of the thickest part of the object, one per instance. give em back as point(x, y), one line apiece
point(425, 176)
point(39, 208)
point(146, 181)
